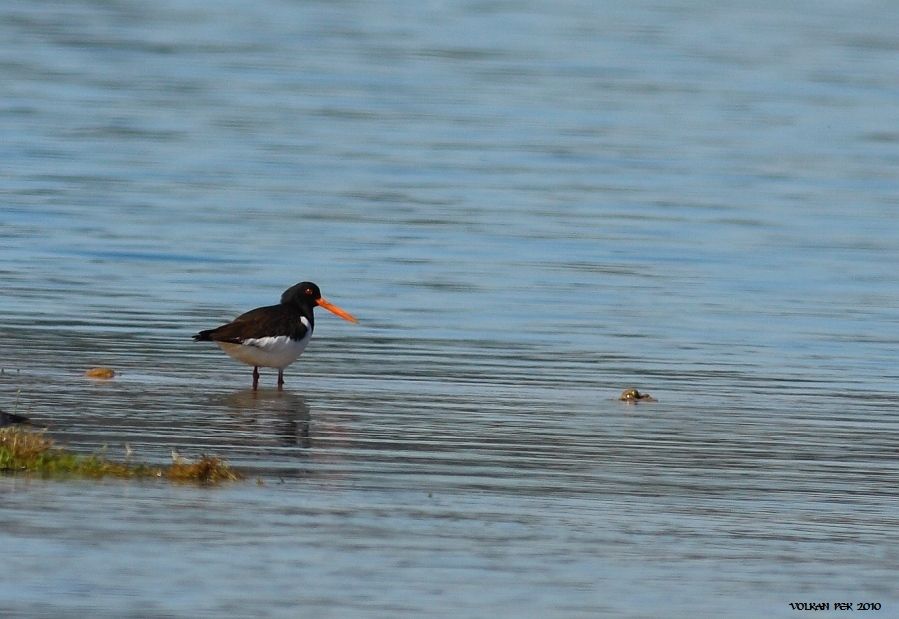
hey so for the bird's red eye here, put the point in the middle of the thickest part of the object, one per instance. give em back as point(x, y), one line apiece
point(308, 291)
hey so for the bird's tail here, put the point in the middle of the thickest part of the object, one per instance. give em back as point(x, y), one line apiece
point(204, 336)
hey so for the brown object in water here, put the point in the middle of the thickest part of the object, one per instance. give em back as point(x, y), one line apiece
point(632, 396)
point(103, 373)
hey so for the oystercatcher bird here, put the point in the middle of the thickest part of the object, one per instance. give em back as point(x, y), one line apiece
point(276, 335)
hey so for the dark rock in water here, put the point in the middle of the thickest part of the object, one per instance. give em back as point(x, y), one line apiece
point(8, 419)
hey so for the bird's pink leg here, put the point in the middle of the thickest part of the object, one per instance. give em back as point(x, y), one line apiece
point(255, 378)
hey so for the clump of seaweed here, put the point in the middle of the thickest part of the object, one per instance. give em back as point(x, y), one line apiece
point(207, 470)
point(632, 396)
point(24, 450)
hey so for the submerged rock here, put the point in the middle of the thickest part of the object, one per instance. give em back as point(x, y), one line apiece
point(101, 373)
point(8, 419)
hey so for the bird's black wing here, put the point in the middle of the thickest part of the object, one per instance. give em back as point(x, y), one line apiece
point(269, 321)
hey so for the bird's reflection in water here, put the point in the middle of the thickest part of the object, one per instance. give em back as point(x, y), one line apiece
point(288, 413)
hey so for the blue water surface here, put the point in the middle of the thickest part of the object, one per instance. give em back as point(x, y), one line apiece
point(529, 206)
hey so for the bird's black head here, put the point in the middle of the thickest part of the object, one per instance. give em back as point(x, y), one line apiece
point(307, 295)
point(304, 294)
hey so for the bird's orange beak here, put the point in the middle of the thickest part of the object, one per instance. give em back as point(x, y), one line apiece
point(322, 302)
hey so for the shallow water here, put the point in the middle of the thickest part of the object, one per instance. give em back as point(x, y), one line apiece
point(529, 206)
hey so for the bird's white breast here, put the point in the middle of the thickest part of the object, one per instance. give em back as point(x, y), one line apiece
point(270, 352)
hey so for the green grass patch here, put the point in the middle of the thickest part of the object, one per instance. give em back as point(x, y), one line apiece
point(24, 450)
